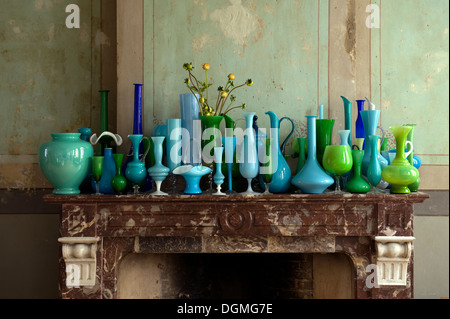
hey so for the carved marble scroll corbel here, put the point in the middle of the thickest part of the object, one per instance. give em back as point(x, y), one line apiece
point(80, 256)
point(393, 255)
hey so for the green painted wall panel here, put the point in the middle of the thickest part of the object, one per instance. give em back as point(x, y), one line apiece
point(46, 72)
point(410, 72)
point(276, 43)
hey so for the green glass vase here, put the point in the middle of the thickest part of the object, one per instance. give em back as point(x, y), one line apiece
point(211, 136)
point(119, 182)
point(357, 184)
point(324, 132)
point(400, 173)
point(301, 141)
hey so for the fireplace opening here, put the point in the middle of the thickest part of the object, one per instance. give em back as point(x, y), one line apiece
point(235, 276)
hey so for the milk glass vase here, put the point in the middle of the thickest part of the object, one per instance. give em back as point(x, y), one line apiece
point(158, 172)
point(312, 179)
point(400, 173)
point(249, 164)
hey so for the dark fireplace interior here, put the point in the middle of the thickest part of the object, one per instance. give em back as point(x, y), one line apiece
point(234, 276)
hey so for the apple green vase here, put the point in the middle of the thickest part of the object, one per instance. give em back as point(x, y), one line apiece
point(357, 184)
point(400, 173)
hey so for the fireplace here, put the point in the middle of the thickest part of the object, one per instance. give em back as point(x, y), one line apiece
point(269, 246)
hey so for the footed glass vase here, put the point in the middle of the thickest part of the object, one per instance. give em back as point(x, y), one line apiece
point(248, 163)
point(400, 173)
point(312, 179)
point(158, 172)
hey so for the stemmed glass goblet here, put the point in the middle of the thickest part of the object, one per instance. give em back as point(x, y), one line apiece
point(337, 160)
point(97, 170)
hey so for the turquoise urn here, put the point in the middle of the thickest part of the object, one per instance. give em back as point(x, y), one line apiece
point(65, 162)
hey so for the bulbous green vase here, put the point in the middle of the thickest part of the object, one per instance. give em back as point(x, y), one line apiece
point(400, 173)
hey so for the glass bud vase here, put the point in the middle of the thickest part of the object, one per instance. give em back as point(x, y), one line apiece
point(357, 184)
point(400, 173)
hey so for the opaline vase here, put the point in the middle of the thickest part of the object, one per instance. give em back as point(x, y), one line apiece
point(301, 141)
point(65, 162)
point(230, 126)
point(85, 186)
point(281, 178)
point(337, 160)
point(400, 173)
point(357, 184)
point(312, 179)
point(158, 172)
point(359, 125)
point(219, 178)
point(173, 149)
point(248, 161)
point(324, 133)
point(348, 117)
point(344, 134)
point(108, 173)
point(211, 136)
point(413, 187)
point(370, 120)
point(192, 176)
point(191, 140)
point(119, 182)
point(135, 170)
point(374, 167)
point(229, 144)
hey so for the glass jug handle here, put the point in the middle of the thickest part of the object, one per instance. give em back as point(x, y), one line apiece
point(283, 145)
point(411, 149)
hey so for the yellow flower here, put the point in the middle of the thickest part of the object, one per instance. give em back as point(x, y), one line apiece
point(224, 94)
point(231, 76)
point(206, 66)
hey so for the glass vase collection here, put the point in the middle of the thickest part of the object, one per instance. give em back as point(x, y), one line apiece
point(193, 146)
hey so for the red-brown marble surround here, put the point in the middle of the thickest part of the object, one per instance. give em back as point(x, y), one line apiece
point(293, 223)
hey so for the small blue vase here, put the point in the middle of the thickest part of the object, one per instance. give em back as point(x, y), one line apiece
point(248, 162)
point(219, 178)
point(312, 179)
point(108, 173)
point(158, 171)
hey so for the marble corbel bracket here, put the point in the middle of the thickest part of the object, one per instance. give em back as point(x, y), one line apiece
point(80, 256)
point(393, 255)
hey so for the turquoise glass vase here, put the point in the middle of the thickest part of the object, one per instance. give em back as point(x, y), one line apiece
point(374, 167)
point(108, 173)
point(65, 162)
point(219, 178)
point(248, 161)
point(158, 172)
point(192, 176)
point(370, 119)
point(191, 140)
point(312, 179)
point(136, 171)
point(348, 117)
point(281, 178)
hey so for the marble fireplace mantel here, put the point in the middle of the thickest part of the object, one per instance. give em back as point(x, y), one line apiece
point(97, 231)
